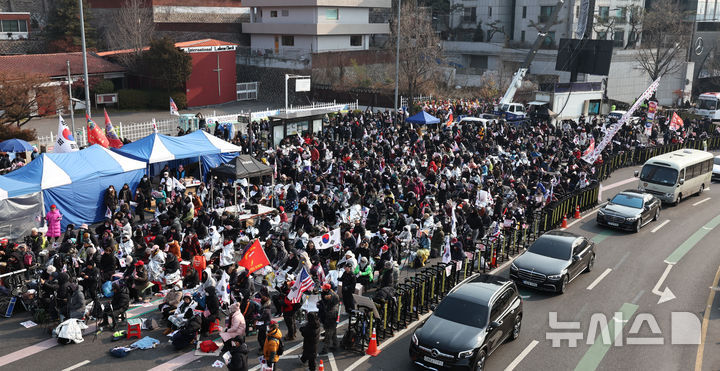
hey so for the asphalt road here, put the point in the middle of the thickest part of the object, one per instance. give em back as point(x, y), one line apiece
point(619, 299)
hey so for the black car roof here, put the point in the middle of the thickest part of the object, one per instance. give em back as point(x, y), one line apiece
point(560, 236)
point(480, 288)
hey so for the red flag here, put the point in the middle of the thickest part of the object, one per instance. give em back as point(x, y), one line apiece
point(450, 120)
point(94, 134)
point(254, 258)
point(590, 148)
point(676, 123)
point(113, 139)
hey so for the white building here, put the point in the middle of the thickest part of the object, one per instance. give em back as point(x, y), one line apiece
point(301, 27)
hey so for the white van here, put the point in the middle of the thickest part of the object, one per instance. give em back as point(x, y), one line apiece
point(676, 175)
point(707, 106)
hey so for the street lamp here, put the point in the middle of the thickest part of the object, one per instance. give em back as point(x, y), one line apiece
point(397, 59)
point(84, 54)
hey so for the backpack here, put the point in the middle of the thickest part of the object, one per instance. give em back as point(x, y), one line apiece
point(28, 259)
point(280, 348)
point(349, 339)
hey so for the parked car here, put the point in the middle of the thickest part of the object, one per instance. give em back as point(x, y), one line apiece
point(716, 168)
point(471, 322)
point(553, 260)
point(629, 210)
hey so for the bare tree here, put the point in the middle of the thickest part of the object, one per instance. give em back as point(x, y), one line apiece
point(665, 35)
point(131, 28)
point(603, 25)
point(420, 48)
point(496, 27)
point(635, 22)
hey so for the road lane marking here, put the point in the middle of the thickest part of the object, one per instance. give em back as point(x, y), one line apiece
point(701, 201)
point(602, 235)
point(686, 246)
point(592, 358)
point(600, 277)
point(618, 184)
point(622, 260)
point(521, 356)
point(331, 361)
point(705, 322)
point(660, 226)
point(583, 217)
point(638, 296)
point(83, 363)
point(387, 342)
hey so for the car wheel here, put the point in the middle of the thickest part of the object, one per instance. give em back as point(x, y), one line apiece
point(591, 263)
point(563, 284)
point(657, 214)
point(702, 188)
point(638, 225)
point(516, 328)
point(480, 360)
point(678, 199)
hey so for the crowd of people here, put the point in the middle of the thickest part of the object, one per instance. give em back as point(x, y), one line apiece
point(399, 194)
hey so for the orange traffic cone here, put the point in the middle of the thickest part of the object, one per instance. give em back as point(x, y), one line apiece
point(372, 349)
point(564, 222)
point(493, 262)
point(321, 367)
point(577, 211)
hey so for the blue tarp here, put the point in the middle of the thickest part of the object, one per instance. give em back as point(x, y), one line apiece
point(423, 118)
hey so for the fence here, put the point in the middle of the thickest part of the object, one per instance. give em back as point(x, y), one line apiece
point(135, 131)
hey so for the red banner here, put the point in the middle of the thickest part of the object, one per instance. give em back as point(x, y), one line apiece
point(94, 134)
point(112, 137)
point(676, 123)
point(254, 258)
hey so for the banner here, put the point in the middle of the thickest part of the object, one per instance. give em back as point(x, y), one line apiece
point(582, 18)
point(112, 137)
point(648, 128)
point(65, 140)
point(652, 110)
point(590, 148)
point(327, 240)
point(94, 134)
point(254, 258)
point(676, 123)
point(614, 128)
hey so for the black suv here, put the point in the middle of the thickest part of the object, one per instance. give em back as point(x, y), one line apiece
point(471, 322)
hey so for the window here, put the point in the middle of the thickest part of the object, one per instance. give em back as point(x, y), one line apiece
point(13, 25)
point(577, 249)
point(489, 11)
point(285, 12)
point(479, 61)
point(621, 15)
point(331, 14)
point(524, 12)
point(603, 13)
point(465, 312)
point(545, 13)
point(602, 35)
point(522, 35)
point(273, 14)
point(288, 40)
point(619, 38)
point(356, 40)
point(469, 15)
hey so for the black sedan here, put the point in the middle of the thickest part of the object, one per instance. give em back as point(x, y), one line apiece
point(629, 210)
point(553, 260)
point(473, 320)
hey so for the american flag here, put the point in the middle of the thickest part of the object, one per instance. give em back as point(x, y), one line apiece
point(496, 232)
point(303, 283)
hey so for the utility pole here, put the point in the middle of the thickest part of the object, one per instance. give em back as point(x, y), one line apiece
point(397, 59)
point(85, 66)
point(72, 111)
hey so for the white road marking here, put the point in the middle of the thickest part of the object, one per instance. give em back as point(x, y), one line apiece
point(83, 363)
point(622, 260)
point(583, 217)
point(521, 356)
point(331, 361)
point(618, 184)
point(701, 201)
point(387, 342)
point(665, 295)
point(660, 226)
point(600, 277)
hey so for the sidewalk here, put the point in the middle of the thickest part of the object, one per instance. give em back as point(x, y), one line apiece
point(45, 125)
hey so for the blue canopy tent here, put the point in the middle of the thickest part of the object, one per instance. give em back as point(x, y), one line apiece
point(423, 118)
point(15, 145)
point(158, 149)
point(74, 181)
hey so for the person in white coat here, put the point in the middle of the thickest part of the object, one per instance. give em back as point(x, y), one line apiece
point(155, 265)
point(227, 256)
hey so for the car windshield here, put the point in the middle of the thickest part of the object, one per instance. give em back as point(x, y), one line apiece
point(709, 104)
point(462, 311)
point(628, 200)
point(550, 248)
point(716, 161)
point(658, 174)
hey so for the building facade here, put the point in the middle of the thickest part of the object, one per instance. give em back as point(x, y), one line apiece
point(302, 27)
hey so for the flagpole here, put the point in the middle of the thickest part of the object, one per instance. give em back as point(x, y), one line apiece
point(72, 111)
point(85, 65)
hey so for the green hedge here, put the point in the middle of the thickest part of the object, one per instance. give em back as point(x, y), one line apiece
point(150, 99)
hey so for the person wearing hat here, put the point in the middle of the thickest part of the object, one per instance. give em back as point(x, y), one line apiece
point(328, 308)
point(53, 218)
point(272, 342)
point(348, 281)
point(311, 337)
point(140, 282)
point(364, 271)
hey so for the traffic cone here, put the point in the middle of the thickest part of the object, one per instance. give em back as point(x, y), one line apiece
point(372, 349)
point(577, 211)
point(564, 222)
point(493, 262)
point(321, 367)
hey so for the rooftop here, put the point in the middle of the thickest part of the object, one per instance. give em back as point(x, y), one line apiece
point(55, 65)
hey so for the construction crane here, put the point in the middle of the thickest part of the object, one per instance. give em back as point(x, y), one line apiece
point(515, 111)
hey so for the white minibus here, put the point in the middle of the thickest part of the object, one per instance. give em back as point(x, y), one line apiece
point(676, 175)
